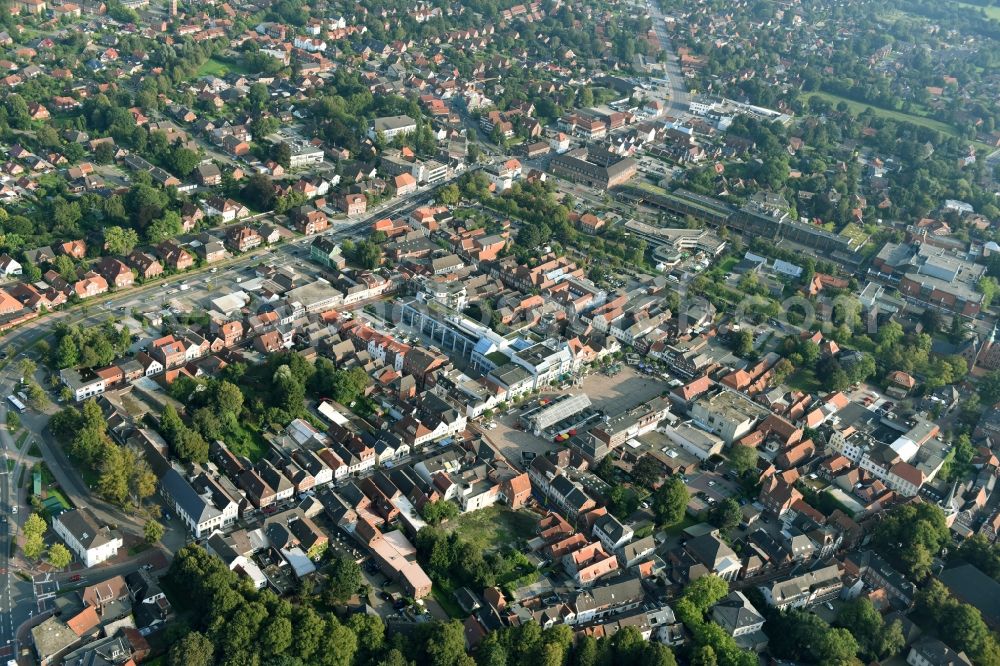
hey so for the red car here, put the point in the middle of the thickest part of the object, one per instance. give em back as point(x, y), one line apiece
point(270, 509)
point(74, 578)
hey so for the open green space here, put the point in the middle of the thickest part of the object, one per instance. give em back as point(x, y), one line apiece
point(216, 67)
point(803, 380)
point(898, 116)
point(247, 442)
point(20, 439)
point(727, 264)
point(992, 12)
point(58, 494)
point(493, 527)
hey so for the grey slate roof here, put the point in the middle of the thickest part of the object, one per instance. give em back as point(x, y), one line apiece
point(185, 496)
point(735, 612)
point(83, 525)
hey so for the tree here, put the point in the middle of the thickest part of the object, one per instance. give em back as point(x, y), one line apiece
point(195, 649)
point(743, 345)
point(586, 652)
point(67, 355)
point(259, 191)
point(65, 267)
point(367, 254)
point(988, 288)
point(113, 482)
point(646, 472)
point(104, 153)
point(120, 241)
point(439, 511)
point(743, 458)
point(259, 96)
point(153, 531)
point(276, 637)
point(836, 647)
point(704, 592)
point(704, 656)
point(34, 536)
point(344, 580)
point(59, 556)
point(875, 640)
point(191, 446)
point(445, 646)
point(339, 646)
point(228, 398)
point(449, 195)
point(27, 368)
point(782, 369)
point(989, 387)
point(726, 514)
point(669, 501)
point(911, 535)
point(288, 392)
point(370, 632)
point(281, 153)
point(13, 421)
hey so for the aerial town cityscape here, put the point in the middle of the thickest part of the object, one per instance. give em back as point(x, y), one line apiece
point(492, 332)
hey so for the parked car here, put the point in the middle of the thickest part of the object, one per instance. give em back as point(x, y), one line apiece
point(74, 578)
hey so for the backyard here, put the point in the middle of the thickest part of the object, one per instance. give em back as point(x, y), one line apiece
point(489, 529)
point(219, 68)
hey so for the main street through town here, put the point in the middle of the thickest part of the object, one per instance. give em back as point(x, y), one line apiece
point(680, 99)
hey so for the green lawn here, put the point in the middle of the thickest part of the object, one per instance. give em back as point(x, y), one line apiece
point(216, 67)
point(992, 12)
point(685, 523)
point(491, 528)
point(803, 380)
point(727, 264)
point(55, 492)
point(20, 440)
point(899, 116)
point(247, 442)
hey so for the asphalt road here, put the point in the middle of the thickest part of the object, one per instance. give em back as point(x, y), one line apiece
point(680, 99)
point(8, 530)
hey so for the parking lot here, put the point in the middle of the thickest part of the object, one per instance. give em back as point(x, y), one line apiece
point(625, 390)
point(713, 485)
point(511, 442)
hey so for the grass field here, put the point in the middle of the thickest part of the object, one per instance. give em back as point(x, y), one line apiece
point(215, 67)
point(20, 439)
point(491, 528)
point(55, 492)
point(992, 12)
point(803, 380)
point(898, 116)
